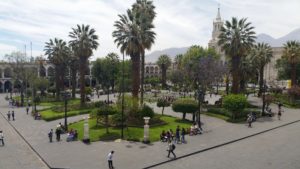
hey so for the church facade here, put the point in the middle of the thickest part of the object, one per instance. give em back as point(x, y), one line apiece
point(270, 71)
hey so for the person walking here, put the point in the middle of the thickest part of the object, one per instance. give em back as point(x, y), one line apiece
point(58, 132)
point(27, 109)
point(13, 115)
point(249, 120)
point(110, 160)
point(279, 110)
point(8, 115)
point(177, 135)
point(183, 135)
point(50, 135)
point(171, 148)
point(2, 137)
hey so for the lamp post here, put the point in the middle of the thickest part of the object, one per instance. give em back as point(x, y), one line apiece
point(200, 99)
point(263, 98)
point(66, 102)
point(122, 113)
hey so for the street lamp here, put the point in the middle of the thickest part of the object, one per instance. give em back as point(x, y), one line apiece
point(66, 102)
point(263, 98)
point(122, 113)
point(200, 95)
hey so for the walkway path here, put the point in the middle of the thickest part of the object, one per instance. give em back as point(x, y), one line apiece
point(131, 155)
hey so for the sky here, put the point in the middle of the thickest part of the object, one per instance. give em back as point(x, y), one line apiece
point(179, 23)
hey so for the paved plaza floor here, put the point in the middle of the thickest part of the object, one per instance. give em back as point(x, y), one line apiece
point(132, 155)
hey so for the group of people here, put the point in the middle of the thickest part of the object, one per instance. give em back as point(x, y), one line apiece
point(251, 117)
point(11, 114)
point(177, 137)
point(60, 129)
point(2, 137)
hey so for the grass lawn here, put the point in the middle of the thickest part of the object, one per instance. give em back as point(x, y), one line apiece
point(132, 133)
point(72, 101)
point(49, 115)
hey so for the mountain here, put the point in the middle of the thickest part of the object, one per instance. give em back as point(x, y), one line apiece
point(294, 35)
point(172, 52)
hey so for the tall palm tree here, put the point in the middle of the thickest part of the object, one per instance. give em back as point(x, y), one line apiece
point(58, 52)
point(144, 15)
point(236, 39)
point(292, 54)
point(73, 65)
point(84, 41)
point(127, 38)
point(164, 62)
point(261, 55)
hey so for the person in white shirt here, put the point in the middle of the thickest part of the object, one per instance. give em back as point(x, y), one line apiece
point(110, 161)
point(2, 137)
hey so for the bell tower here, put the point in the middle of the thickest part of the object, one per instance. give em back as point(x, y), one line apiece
point(213, 43)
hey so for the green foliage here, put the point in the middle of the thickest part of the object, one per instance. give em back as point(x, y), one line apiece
point(294, 92)
point(99, 104)
point(161, 102)
point(145, 111)
point(185, 106)
point(51, 90)
point(88, 90)
point(235, 103)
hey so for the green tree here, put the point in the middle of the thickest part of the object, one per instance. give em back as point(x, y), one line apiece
point(58, 53)
point(163, 102)
point(185, 106)
point(113, 59)
point(261, 55)
point(84, 41)
point(144, 15)
point(164, 62)
point(235, 103)
point(236, 39)
point(292, 54)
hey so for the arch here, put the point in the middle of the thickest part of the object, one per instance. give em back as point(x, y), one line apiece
point(42, 71)
point(7, 72)
point(7, 86)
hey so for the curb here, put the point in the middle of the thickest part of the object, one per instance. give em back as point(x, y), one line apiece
point(220, 145)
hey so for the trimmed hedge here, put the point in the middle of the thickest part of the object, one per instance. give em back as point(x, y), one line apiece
point(235, 103)
point(185, 105)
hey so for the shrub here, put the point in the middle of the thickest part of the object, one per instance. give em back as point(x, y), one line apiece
point(185, 106)
point(145, 111)
point(88, 90)
point(276, 90)
point(235, 103)
point(52, 90)
point(99, 104)
point(116, 119)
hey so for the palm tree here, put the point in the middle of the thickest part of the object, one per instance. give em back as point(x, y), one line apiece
point(84, 41)
point(261, 55)
point(144, 15)
point(178, 61)
point(236, 39)
point(164, 62)
point(58, 52)
point(74, 65)
point(292, 54)
point(127, 38)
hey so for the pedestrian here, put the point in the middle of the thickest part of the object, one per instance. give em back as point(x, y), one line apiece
point(279, 110)
point(2, 137)
point(50, 135)
point(183, 132)
point(171, 148)
point(13, 115)
point(177, 135)
point(249, 120)
point(58, 132)
point(27, 109)
point(8, 115)
point(110, 160)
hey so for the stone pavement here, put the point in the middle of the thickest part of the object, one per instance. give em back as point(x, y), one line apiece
point(131, 155)
point(16, 154)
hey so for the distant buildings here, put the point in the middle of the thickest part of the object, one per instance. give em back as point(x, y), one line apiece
point(270, 72)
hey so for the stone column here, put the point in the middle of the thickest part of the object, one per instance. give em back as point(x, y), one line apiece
point(146, 130)
point(86, 136)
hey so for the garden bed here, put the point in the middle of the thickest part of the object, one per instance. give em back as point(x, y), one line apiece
point(98, 133)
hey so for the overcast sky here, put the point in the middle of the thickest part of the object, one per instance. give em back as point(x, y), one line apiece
point(179, 23)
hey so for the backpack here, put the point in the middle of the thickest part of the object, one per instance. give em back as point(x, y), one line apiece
point(173, 146)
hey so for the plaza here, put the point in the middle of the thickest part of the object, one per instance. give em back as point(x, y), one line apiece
point(125, 84)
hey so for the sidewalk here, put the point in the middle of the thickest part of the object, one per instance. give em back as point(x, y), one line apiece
point(131, 155)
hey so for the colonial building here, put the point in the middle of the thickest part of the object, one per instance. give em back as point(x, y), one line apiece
point(152, 70)
point(44, 69)
point(270, 72)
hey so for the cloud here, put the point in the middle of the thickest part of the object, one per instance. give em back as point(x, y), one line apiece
point(178, 23)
